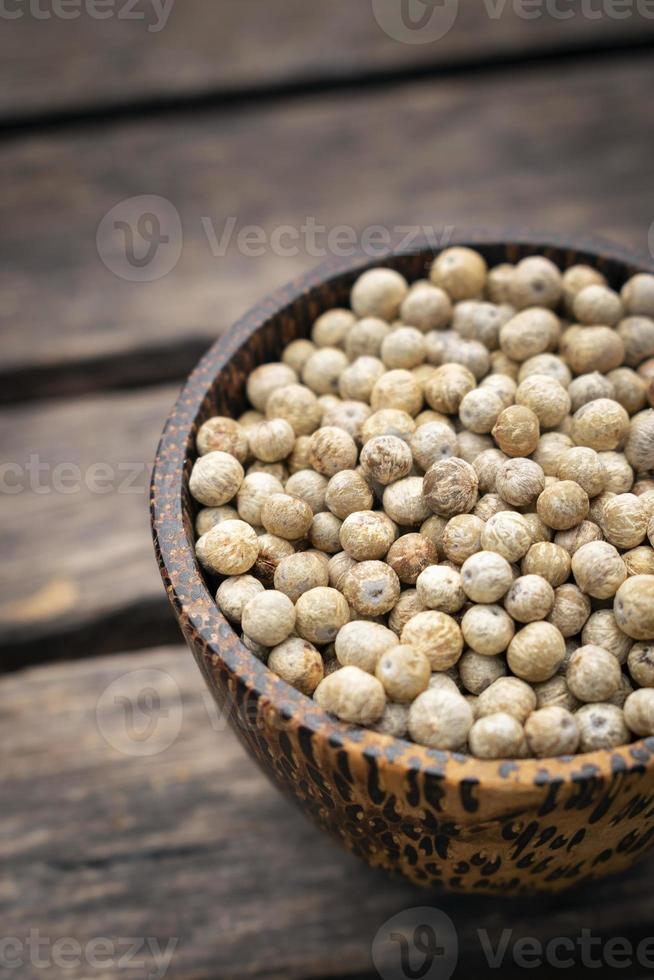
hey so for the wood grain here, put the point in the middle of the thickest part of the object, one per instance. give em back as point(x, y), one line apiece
point(84, 63)
point(78, 574)
point(473, 151)
point(130, 811)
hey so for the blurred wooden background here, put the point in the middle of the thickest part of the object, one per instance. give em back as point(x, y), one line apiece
point(236, 113)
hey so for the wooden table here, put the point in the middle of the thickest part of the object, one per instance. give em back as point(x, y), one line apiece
point(237, 114)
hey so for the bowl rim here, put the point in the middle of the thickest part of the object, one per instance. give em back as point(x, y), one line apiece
point(204, 626)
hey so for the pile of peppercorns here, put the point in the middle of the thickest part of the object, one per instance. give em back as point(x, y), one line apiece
point(437, 518)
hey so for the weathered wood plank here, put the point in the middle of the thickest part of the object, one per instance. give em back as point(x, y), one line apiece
point(572, 157)
point(149, 50)
point(129, 811)
point(78, 571)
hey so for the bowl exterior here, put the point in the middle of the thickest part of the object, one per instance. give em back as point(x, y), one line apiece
point(438, 818)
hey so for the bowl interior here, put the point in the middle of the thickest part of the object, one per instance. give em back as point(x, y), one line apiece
point(217, 387)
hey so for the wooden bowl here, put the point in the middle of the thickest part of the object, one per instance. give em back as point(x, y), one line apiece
point(439, 818)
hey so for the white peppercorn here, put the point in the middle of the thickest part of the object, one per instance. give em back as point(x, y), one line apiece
point(365, 338)
point(386, 459)
point(546, 397)
point(535, 281)
point(601, 424)
point(208, 517)
point(361, 644)
point(634, 607)
point(299, 573)
point(529, 333)
point(371, 588)
point(593, 674)
point(563, 505)
point(517, 431)
point(297, 354)
point(228, 548)
point(265, 379)
point(405, 503)
point(549, 449)
point(598, 570)
point(638, 294)
point(536, 652)
point(348, 492)
point(325, 533)
point(450, 487)
point(598, 304)
point(331, 328)
point(272, 550)
point(471, 444)
point(440, 719)
point(576, 537)
point(587, 349)
point(286, 517)
point(406, 607)
point(352, 695)
point(367, 535)
point(254, 491)
point(278, 470)
point(437, 635)
point(639, 447)
point(462, 537)
point(461, 272)
point(215, 479)
point(332, 449)
point(394, 721)
point(552, 731)
point(359, 378)
point(629, 389)
point(508, 695)
point(320, 614)
point(624, 520)
point(379, 293)
point(641, 664)
point(639, 712)
point(571, 609)
point(486, 465)
point(538, 529)
point(225, 435)
point(426, 307)
point(531, 597)
point(309, 486)
point(503, 386)
point(298, 663)
point(432, 442)
point(410, 555)
point(404, 672)
point(272, 441)
point(439, 587)
point(555, 692)
point(637, 335)
point(298, 406)
point(348, 415)
point(601, 629)
point(234, 594)
point(639, 561)
point(448, 386)
point(601, 726)
point(388, 422)
point(478, 672)
point(548, 560)
point(403, 348)
point(487, 629)
point(547, 364)
point(268, 618)
point(497, 736)
point(323, 369)
point(519, 481)
point(583, 465)
point(507, 534)
point(397, 389)
point(486, 577)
